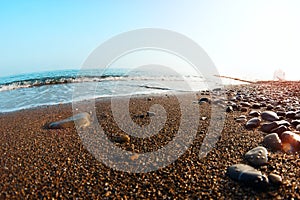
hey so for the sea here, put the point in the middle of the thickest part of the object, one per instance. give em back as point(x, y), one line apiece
point(30, 90)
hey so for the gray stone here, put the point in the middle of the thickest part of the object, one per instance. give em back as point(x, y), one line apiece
point(284, 123)
point(254, 113)
point(295, 122)
point(298, 127)
point(269, 116)
point(253, 123)
point(81, 120)
point(257, 156)
point(290, 114)
point(247, 174)
point(272, 141)
point(279, 130)
point(268, 127)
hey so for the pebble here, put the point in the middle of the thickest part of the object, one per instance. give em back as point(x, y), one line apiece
point(279, 130)
point(256, 105)
point(121, 139)
point(284, 123)
point(298, 127)
point(275, 179)
point(268, 127)
point(254, 113)
point(81, 120)
point(290, 141)
point(229, 109)
point(269, 116)
point(257, 156)
point(272, 141)
point(290, 114)
point(247, 174)
point(204, 99)
point(241, 119)
point(253, 123)
point(245, 104)
point(150, 114)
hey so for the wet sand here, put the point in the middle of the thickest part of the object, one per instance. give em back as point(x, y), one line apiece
point(38, 163)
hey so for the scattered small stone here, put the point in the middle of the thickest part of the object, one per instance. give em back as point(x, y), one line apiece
point(241, 119)
point(272, 141)
point(257, 156)
point(270, 107)
point(253, 123)
point(229, 109)
point(269, 116)
point(245, 104)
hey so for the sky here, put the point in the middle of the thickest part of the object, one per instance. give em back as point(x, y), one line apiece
point(248, 39)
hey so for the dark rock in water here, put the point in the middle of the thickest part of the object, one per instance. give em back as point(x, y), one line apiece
point(290, 141)
point(204, 99)
point(248, 175)
point(268, 127)
point(253, 123)
point(229, 109)
point(272, 141)
point(279, 130)
point(269, 116)
point(256, 105)
point(290, 114)
point(295, 122)
point(254, 113)
point(81, 120)
point(257, 156)
point(245, 104)
point(275, 179)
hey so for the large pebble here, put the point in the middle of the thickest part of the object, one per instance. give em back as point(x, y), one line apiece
point(290, 141)
point(275, 179)
point(254, 113)
point(257, 156)
point(279, 130)
point(272, 141)
point(247, 174)
point(269, 116)
point(81, 120)
point(268, 127)
point(253, 123)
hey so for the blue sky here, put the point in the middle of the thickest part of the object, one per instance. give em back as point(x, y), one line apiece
point(248, 39)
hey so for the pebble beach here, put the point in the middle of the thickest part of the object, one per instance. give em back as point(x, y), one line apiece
point(38, 162)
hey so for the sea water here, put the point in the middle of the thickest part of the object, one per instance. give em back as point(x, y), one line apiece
point(56, 87)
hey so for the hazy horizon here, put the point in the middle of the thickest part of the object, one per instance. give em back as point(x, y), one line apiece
point(248, 40)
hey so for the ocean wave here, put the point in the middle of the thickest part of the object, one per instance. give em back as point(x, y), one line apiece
point(36, 82)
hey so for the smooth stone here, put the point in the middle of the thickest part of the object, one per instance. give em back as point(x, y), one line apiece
point(298, 127)
point(268, 127)
point(290, 114)
point(257, 156)
point(243, 109)
point(245, 104)
point(280, 113)
point(256, 105)
point(81, 120)
point(279, 130)
point(247, 174)
point(295, 122)
point(275, 179)
point(121, 139)
point(241, 119)
point(272, 141)
point(229, 109)
point(297, 116)
point(269, 116)
point(270, 107)
point(284, 123)
point(253, 123)
point(254, 113)
point(204, 99)
point(290, 141)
